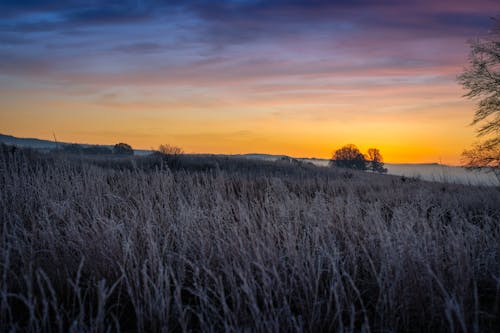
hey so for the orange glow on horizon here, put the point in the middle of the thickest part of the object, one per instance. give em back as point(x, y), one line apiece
point(235, 80)
point(420, 125)
point(435, 135)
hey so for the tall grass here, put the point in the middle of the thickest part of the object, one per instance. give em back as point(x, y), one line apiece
point(92, 247)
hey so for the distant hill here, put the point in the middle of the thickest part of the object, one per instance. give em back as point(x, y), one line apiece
point(48, 145)
point(426, 171)
point(27, 142)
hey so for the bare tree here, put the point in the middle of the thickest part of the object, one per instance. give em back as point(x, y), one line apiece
point(375, 161)
point(171, 154)
point(167, 149)
point(485, 154)
point(482, 80)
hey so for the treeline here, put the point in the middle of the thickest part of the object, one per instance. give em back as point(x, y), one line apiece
point(350, 157)
point(118, 149)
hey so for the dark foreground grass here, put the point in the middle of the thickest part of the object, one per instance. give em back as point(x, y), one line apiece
point(218, 244)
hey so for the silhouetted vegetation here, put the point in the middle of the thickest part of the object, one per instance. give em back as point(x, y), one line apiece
point(171, 154)
point(482, 80)
point(71, 149)
point(375, 161)
point(170, 150)
point(119, 243)
point(484, 155)
point(123, 149)
point(80, 149)
point(97, 150)
point(350, 157)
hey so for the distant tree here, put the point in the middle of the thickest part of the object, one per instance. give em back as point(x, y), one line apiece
point(349, 157)
point(375, 161)
point(171, 154)
point(482, 80)
point(167, 149)
point(123, 149)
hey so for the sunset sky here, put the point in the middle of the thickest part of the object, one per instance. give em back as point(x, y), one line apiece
point(300, 78)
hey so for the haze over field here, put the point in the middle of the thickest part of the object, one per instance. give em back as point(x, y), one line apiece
point(430, 172)
point(277, 77)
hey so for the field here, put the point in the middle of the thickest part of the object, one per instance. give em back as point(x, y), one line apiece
point(218, 244)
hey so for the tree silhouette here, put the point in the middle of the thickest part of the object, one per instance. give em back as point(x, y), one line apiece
point(171, 154)
point(482, 80)
point(167, 149)
point(486, 154)
point(375, 161)
point(349, 157)
point(123, 149)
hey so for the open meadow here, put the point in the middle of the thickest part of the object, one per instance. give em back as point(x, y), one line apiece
point(217, 244)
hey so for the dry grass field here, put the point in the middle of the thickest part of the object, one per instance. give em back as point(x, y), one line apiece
point(219, 245)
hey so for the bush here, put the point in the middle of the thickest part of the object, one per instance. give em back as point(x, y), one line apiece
point(123, 149)
point(167, 149)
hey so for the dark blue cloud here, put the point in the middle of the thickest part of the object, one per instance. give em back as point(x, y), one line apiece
point(139, 48)
point(95, 33)
point(41, 16)
point(246, 19)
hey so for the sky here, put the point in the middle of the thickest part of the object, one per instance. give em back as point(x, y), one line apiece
point(300, 78)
